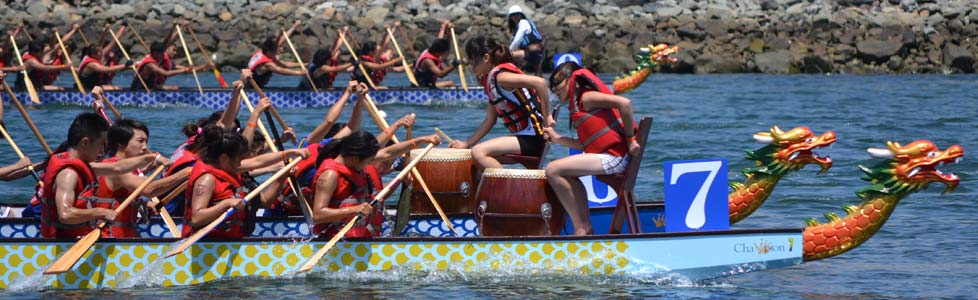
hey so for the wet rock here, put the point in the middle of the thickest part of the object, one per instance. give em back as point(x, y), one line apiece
point(815, 65)
point(713, 63)
point(877, 50)
point(958, 58)
point(778, 62)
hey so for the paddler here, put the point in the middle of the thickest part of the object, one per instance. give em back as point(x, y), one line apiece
point(377, 59)
point(430, 66)
point(72, 170)
point(265, 62)
point(157, 66)
point(594, 109)
point(518, 99)
point(324, 66)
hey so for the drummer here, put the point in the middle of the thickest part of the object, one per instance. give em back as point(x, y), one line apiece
point(593, 109)
point(514, 97)
point(346, 180)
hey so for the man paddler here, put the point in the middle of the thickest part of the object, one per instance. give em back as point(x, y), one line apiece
point(430, 65)
point(44, 61)
point(265, 62)
point(158, 65)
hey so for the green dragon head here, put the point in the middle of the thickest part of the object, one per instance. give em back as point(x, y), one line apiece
point(910, 168)
point(788, 151)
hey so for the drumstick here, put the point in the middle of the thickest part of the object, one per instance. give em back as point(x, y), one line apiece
point(443, 135)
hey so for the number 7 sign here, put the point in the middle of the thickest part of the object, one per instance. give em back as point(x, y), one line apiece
point(696, 195)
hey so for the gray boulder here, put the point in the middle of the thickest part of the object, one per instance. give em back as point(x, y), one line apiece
point(959, 58)
point(877, 50)
point(713, 63)
point(777, 62)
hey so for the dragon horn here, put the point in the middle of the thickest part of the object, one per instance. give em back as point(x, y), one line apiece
point(776, 132)
point(880, 153)
point(896, 148)
point(763, 138)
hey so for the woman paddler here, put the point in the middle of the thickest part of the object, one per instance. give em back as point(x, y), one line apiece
point(127, 138)
point(430, 66)
point(605, 132)
point(325, 65)
point(514, 97)
point(377, 60)
point(346, 181)
point(216, 184)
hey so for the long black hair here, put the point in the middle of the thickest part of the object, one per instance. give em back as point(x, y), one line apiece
point(481, 45)
point(367, 48)
point(121, 133)
point(360, 144)
point(219, 141)
point(513, 24)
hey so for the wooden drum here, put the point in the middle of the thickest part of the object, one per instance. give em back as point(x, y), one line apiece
point(448, 174)
point(517, 202)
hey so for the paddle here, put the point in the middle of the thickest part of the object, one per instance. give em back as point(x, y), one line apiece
point(27, 79)
point(190, 61)
point(71, 66)
point(126, 54)
point(461, 68)
point(410, 44)
point(217, 73)
point(443, 135)
point(272, 108)
point(27, 117)
point(115, 111)
point(298, 58)
point(20, 155)
point(172, 226)
point(140, 38)
point(303, 204)
point(26, 34)
point(383, 193)
point(70, 257)
point(207, 229)
point(363, 70)
point(546, 148)
point(407, 68)
point(81, 33)
point(382, 124)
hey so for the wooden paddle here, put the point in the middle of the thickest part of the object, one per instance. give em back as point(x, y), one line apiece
point(443, 135)
point(207, 229)
point(172, 226)
point(272, 108)
point(139, 38)
point(70, 257)
point(27, 117)
point(71, 66)
point(26, 34)
point(407, 67)
point(382, 124)
point(383, 193)
point(461, 68)
point(20, 155)
point(363, 70)
point(84, 38)
point(298, 58)
point(303, 204)
point(217, 73)
point(410, 44)
point(115, 111)
point(27, 79)
point(126, 54)
point(190, 61)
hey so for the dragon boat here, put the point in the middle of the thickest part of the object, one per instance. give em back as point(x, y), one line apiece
point(285, 98)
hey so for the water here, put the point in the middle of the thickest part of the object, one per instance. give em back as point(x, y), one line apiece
point(926, 250)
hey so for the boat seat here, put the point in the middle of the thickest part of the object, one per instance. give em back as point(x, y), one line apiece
point(623, 184)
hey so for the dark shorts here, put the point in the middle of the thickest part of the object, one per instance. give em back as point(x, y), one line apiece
point(533, 62)
point(531, 145)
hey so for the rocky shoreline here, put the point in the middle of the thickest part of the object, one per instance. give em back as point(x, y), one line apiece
point(716, 36)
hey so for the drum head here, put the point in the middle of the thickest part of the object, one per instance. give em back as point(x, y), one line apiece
point(444, 154)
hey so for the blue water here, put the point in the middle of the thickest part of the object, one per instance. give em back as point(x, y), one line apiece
point(927, 250)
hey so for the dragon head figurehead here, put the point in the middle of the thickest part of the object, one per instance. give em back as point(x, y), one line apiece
point(907, 169)
point(789, 150)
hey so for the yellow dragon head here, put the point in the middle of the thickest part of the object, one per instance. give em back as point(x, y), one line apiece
point(789, 150)
point(910, 168)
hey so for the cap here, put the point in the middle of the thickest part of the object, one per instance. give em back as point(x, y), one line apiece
point(514, 9)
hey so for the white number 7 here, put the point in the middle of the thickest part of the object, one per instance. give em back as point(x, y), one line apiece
point(696, 215)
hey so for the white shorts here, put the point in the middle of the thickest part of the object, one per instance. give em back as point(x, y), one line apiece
point(613, 164)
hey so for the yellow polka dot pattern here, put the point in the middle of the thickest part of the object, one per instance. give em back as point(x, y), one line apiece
point(112, 265)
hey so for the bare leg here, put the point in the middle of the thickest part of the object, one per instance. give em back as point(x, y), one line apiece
point(486, 153)
point(518, 57)
point(563, 174)
point(445, 84)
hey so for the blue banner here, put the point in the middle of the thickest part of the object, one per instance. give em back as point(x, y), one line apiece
point(599, 194)
point(560, 58)
point(696, 195)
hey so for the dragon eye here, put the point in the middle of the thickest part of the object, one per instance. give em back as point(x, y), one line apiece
point(932, 154)
point(810, 140)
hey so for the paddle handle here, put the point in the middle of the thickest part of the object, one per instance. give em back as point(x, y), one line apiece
point(71, 66)
point(444, 136)
point(126, 54)
point(299, 59)
point(27, 117)
point(139, 37)
point(407, 68)
point(27, 79)
point(461, 69)
point(363, 70)
point(186, 51)
point(139, 189)
point(274, 111)
point(108, 103)
point(20, 154)
point(217, 73)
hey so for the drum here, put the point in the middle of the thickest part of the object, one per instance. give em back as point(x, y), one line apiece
point(448, 175)
point(517, 202)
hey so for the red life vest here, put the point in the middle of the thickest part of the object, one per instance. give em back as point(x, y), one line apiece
point(352, 189)
point(38, 77)
point(51, 225)
point(225, 186)
point(288, 201)
point(104, 197)
point(257, 60)
point(377, 75)
point(518, 109)
point(185, 160)
point(426, 78)
point(95, 78)
point(599, 130)
point(154, 80)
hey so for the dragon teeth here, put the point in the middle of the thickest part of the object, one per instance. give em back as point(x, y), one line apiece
point(914, 172)
point(793, 156)
point(957, 160)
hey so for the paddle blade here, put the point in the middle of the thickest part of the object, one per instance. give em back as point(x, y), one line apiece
point(329, 245)
point(199, 234)
point(70, 257)
point(30, 90)
point(220, 78)
point(172, 226)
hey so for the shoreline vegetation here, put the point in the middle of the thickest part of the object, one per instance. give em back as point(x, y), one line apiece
point(715, 36)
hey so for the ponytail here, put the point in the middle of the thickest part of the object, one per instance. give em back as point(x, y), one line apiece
point(359, 144)
point(219, 141)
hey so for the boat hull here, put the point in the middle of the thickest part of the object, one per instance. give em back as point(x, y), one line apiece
point(283, 98)
point(121, 263)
